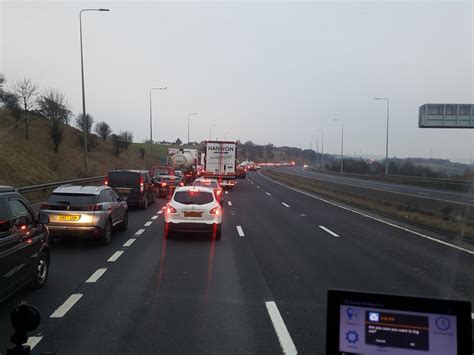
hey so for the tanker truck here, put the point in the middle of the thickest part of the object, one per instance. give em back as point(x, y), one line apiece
point(185, 160)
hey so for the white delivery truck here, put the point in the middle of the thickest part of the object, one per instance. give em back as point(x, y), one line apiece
point(220, 162)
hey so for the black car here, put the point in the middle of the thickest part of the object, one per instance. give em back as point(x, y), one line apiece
point(135, 186)
point(166, 184)
point(24, 244)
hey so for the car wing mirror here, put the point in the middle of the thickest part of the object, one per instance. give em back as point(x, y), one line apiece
point(43, 218)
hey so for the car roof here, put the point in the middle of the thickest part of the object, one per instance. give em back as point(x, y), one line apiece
point(77, 189)
point(168, 176)
point(4, 189)
point(199, 188)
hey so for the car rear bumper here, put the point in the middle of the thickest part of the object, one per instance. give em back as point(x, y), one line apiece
point(193, 227)
point(76, 231)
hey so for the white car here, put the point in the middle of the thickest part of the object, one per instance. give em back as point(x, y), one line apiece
point(193, 209)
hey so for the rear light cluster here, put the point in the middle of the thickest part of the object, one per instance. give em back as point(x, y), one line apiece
point(215, 211)
point(106, 181)
point(171, 209)
point(45, 206)
point(94, 208)
point(163, 184)
point(142, 184)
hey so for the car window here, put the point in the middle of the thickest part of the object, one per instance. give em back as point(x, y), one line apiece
point(4, 219)
point(18, 210)
point(193, 197)
point(123, 179)
point(105, 196)
point(72, 199)
point(114, 195)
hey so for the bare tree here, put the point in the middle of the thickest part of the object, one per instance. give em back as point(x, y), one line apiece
point(121, 142)
point(27, 92)
point(103, 130)
point(11, 102)
point(91, 138)
point(54, 107)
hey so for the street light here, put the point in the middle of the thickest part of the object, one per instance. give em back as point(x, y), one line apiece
point(151, 124)
point(386, 141)
point(342, 142)
point(190, 114)
point(84, 119)
point(322, 146)
point(210, 131)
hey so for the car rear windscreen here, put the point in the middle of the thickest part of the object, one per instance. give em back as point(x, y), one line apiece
point(72, 199)
point(193, 197)
point(124, 179)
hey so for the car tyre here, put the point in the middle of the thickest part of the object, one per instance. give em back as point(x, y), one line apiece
point(42, 271)
point(145, 203)
point(124, 224)
point(107, 236)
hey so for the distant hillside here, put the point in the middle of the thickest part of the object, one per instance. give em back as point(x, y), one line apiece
point(29, 162)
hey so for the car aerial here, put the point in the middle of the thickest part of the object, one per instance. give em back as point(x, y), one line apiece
point(24, 244)
point(136, 185)
point(193, 209)
point(166, 184)
point(85, 211)
point(212, 184)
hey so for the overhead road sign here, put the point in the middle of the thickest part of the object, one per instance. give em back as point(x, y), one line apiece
point(446, 116)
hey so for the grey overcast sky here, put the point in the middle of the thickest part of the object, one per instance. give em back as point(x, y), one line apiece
point(266, 72)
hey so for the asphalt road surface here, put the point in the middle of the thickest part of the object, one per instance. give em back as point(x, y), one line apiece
point(465, 198)
point(261, 289)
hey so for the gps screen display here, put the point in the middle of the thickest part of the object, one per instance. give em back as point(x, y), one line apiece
point(367, 330)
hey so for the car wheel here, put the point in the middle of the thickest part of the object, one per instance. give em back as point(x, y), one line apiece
point(107, 236)
point(145, 203)
point(124, 224)
point(42, 271)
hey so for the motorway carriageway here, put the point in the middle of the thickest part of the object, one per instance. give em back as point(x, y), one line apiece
point(261, 289)
point(463, 198)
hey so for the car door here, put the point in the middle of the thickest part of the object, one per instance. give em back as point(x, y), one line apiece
point(9, 260)
point(119, 205)
point(29, 235)
point(105, 199)
point(149, 186)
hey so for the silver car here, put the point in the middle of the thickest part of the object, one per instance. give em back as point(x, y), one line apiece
point(85, 211)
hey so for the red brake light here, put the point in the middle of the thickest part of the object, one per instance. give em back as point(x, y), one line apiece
point(193, 190)
point(216, 211)
point(171, 209)
point(181, 184)
point(142, 184)
point(106, 181)
point(163, 184)
point(45, 206)
point(219, 191)
point(95, 208)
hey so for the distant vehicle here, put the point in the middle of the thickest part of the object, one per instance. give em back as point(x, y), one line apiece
point(220, 162)
point(166, 184)
point(241, 172)
point(305, 166)
point(213, 185)
point(179, 173)
point(136, 185)
point(24, 244)
point(161, 170)
point(185, 160)
point(85, 211)
point(193, 209)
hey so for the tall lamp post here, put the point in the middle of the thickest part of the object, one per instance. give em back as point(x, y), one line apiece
point(386, 99)
point(322, 146)
point(189, 115)
point(342, 142)
point(210, 131)
point(84, 118)
point(151, 122)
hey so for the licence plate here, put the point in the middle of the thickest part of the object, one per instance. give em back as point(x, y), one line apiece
point(123, 191)
point(69, 218)
point(192, 214)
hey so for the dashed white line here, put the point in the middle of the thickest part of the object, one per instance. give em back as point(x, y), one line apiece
point(257, 186)
point(329, 231)
point(96, 275)
point(160, 211)
point(33, 341)
point(284, 204)
point(66, 306)
point(286, 343)
point(240, 231)
point(139, 232)
point(227, 192)
point(147, 224)
point(129, 242)
point(268, 193)
point(229, 203)
point(154, 217)
point(115, 256)
point(472, 315)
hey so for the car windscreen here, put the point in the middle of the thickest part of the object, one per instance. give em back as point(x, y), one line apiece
point(193, 197)
point(124, 179)
point(72, 199)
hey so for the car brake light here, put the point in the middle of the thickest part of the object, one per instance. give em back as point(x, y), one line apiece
point(216, 211)
point(95, 208)
point(45, 206)
point(171, 209)
point(219, 192)
point(142, 184)
point(193, 190)
point(181, 184)
point(106, 181)
point(163, 184)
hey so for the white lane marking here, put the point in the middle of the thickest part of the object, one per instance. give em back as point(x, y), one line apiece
point(96, 275)
point(284, 337)
point(229, 203)
point(240, 231)
point(227, 192)
point(257, 186)
point(33, 341)
point(154, 217)
point(66, 306)
point(268, 193)
point(329, 231)
point(115, 256)
point(374, 218)
point(139, 232)
point(160, 211)
point(302, 215)
point(284, 204)
point(129, 242)
point(472, 315)
point(147, 224)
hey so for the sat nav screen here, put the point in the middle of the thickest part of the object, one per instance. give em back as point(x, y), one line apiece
point(383, 331)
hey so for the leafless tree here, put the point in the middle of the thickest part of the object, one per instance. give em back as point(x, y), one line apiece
point(27, 93)
point(103, 130)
